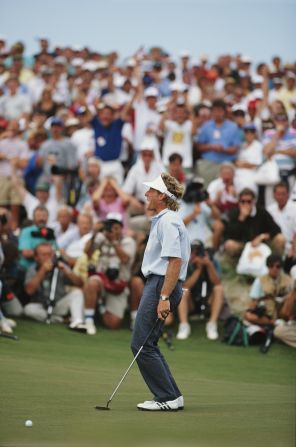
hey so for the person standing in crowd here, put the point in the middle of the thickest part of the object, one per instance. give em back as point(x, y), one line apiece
point(164, 265)
point(218, 141)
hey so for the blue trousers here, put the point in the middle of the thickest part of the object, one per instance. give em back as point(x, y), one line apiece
point(151, 363)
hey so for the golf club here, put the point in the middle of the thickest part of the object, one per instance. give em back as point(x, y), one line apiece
point(126, 372)
point(10, 336)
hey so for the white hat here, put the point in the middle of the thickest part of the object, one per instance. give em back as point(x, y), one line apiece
point(290, 75)
point(177, 86)
point(72, 122)
point(148, 144)
point(238, 108)
point(115, 216)
point(151, 91)
point(185, 53)
point(246, 59)
point(160, 186)
point(77, 62)
point(257, 79)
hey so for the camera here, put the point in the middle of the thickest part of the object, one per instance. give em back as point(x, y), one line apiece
point(112, 271)
point(3, 219)
point(198, 248)
point(45, 233)
point(195, 192)
point(57, 170)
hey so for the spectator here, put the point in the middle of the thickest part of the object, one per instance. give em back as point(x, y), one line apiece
point(288, 93)
point(47, 105)
point(250, 223)
point(39, 283)
point(77, 242)
point(175, 167)
point(57, 151)
point(280, 145)
point(109, 285)
point(286, 332)
point(268, 293)
point(224, 190)
point(178, 133)
point(108, 139)
point(90, 181)
point(283, 211)
point(218, 141)
point(109, 198)
point(249, 156)
point(14, 105)
point(65, 230)
point(146, 168)
point(200, 215)
point(34, 235)
point(203, 290)
point(12, 150)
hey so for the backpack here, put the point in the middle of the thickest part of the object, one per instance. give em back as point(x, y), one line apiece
point(235, 332)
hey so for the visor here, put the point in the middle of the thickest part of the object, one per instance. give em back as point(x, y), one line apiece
point(160, 186)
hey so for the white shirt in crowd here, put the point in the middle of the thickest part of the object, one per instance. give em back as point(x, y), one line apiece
point(252, 153)
point(30, 202)
point(133, 183)
point(143, 117)
point(286, 219)
point(178, 139)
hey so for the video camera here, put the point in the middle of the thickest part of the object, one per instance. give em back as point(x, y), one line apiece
point(44, 232)
point(57, 170)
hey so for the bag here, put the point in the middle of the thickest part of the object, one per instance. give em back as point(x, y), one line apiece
point(115, 287)
point(235, 333)
point(253, 260)
point(267, 174)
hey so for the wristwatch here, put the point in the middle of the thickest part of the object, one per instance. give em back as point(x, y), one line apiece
point(164, 298)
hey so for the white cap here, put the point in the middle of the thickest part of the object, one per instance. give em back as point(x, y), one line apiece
point(290, 75)
point(72, 122)
point(185, 53)
point(160, 186)
point(77, 62)
point(257, 79)
point(238, 107)
point(246, 59)
point(151, 91)
point(177, 86)
point(114, 216)
point(148, 144)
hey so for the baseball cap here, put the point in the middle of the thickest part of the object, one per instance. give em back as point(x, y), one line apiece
point(250, 126)
point(42, 186)
point(238, 108)
point(257, 79)
point(114, 217)
point(290, 75)
point(160, 186)
point(151, 91)
point(56, 121)
point(72, 122)
point(148, 144)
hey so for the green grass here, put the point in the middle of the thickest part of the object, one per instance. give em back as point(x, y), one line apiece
point(234, 396)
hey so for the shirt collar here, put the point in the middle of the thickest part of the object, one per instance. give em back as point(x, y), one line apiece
point(159, 215)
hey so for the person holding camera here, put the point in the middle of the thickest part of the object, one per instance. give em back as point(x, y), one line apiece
point(268, 293)
point(45, 290)
point(204, 292)
point(33, 235)
point(108, 280)
point(200, 214)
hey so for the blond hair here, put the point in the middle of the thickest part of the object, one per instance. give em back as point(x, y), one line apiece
point(175, 188)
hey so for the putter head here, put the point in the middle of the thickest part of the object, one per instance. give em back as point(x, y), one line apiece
point(97, 407)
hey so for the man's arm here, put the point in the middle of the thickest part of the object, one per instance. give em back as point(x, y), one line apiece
point(170, 281)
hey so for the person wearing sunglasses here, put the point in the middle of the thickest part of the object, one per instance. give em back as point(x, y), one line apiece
point(250, 223)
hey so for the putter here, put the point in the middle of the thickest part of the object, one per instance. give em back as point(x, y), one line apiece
point(10, 336)
point(106, 407)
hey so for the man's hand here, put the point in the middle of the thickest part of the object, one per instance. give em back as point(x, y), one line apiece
point(163, 309)
point(257, 241)
point(47, 267)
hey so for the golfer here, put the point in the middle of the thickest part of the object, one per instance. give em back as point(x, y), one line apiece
point(164, 266)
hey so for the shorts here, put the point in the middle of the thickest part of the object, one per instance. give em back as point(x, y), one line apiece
point(8, 193)
point(116, 304)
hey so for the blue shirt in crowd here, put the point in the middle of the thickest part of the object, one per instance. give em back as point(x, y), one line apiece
point(227, 134)
point(108, 139)
point(168, 239)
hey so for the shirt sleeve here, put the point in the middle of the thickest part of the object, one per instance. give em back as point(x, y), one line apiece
point(256, 291)
point(203, 135)
point(170, 240)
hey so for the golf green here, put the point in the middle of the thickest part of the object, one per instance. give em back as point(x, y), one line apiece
point(234, 396)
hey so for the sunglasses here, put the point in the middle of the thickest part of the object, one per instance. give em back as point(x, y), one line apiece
point(244, 201)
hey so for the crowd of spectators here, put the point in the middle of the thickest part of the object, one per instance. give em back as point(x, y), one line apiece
point(81, 131)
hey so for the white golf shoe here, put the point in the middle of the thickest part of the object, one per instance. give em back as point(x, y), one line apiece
point(90, 327)
point(211, 330)
point(180, 402)
point(184, 331)
point(171, 405)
